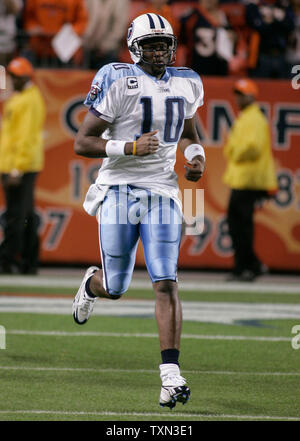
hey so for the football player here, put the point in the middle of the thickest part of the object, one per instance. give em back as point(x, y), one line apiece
point(138, 113)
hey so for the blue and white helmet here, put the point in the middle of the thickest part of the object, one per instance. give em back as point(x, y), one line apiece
point(148, 26)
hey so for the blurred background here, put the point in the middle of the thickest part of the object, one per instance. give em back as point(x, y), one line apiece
point(222, 41)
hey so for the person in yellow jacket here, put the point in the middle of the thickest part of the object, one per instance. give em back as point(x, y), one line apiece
point(21, 159)
point(250, 174)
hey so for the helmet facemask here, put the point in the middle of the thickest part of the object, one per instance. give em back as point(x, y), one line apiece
point(137, 48)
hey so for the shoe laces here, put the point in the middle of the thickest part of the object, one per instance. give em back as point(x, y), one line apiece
point(87, 303)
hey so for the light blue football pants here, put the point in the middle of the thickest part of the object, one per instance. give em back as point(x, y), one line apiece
point(127, 214)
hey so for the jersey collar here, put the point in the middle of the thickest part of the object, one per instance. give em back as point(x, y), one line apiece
point(165, 77)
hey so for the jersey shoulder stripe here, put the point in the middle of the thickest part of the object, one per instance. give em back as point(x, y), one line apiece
point(106, 77)
point(183, 72)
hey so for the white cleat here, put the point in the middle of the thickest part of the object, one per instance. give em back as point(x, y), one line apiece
point(83, 304)
point(173, 387)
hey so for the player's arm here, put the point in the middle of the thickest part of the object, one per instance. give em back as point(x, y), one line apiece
point(88, 141)
point(190, 146)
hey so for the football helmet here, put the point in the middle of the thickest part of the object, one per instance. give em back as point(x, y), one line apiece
point(149, 26)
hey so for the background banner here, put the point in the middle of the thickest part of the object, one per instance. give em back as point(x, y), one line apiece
point(69, 235)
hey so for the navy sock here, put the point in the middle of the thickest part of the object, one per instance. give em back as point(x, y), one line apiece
point(170, 356)
point(88, 289)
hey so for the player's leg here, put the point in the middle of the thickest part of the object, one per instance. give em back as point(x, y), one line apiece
point(161, 240)
point(168, 314)
point(118, 244)
point(160, 235)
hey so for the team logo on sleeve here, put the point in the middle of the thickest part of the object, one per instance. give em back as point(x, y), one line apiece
point(95, 89)
point(132, 83)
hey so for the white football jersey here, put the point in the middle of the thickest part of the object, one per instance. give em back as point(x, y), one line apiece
point(135, 102)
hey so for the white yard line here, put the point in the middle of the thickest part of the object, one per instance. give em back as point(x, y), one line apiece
point(142, 371)
point(213, 312)
point(143, 335)
point(148, 414)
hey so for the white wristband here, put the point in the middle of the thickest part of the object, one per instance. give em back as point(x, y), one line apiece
point(193, 150)
point(115, 148)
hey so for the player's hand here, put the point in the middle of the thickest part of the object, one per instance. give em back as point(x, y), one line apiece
point(195, 169)
point(147, 144)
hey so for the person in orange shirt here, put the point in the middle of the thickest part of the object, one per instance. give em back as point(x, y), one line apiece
point(44, 18)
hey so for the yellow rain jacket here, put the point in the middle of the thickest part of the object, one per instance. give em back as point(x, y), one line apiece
point(250, 164)
point(21, 138)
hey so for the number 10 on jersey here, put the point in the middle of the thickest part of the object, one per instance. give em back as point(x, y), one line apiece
point(174, 117)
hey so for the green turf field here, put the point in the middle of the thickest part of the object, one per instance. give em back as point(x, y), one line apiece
point(53, 369)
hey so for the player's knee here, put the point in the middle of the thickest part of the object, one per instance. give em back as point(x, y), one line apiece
point(163, 268)
point(166, 287)
point(118, 285)
point(115, 296)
